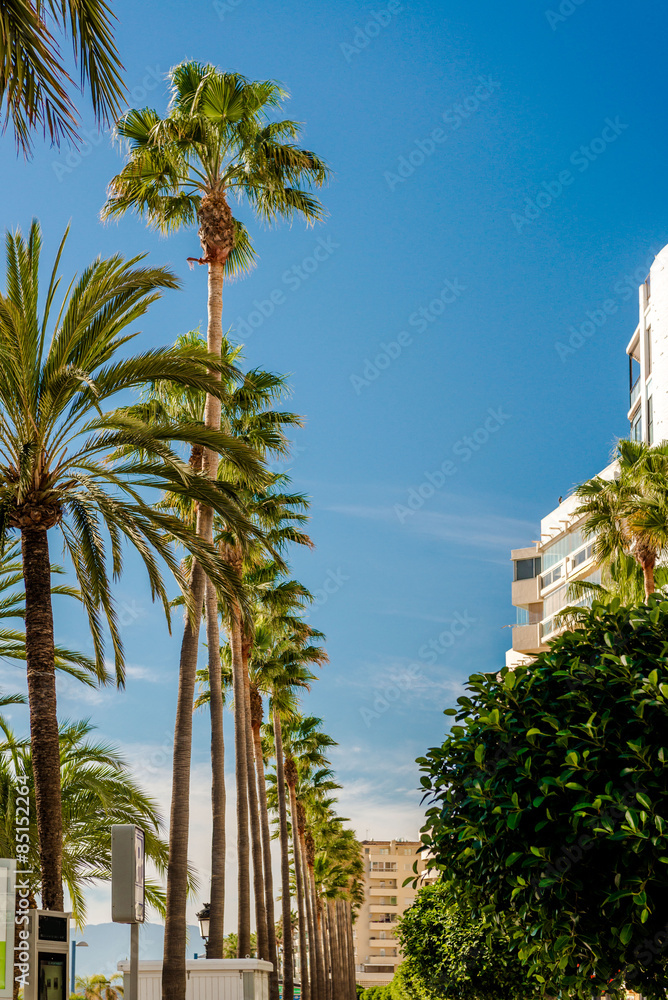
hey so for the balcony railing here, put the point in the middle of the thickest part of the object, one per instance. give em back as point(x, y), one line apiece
point(635, 391)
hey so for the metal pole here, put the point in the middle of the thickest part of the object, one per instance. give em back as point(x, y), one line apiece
point(134, 962)
point(73, 977)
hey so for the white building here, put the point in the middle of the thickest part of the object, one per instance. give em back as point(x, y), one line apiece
point(543, 570)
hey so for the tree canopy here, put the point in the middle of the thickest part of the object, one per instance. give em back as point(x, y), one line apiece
point(450, 954)
point(549, 803)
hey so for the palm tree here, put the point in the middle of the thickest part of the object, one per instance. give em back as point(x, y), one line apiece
point(64, 464)
point(12, 606)
point(248, 415)
point(100, 988)
point(98, 789)
point(629, 513)
point(34, 84)
point(216, 139)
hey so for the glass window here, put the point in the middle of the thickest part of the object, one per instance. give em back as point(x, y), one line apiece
point(555, 602)
point(526, 569)
point(648, 349)
point(556, 552)
point(384, 850)
point(650, 420)
point(636, 427)
point(522, 616)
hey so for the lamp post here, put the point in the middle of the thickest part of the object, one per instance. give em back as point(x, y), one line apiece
point(73, 973)
point(204, 918)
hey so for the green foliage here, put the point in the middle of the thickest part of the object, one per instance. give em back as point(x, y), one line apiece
point(35, 87)
point(549, 803)
point(449, 953)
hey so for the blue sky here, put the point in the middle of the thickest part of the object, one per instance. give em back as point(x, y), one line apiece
point(499, 173)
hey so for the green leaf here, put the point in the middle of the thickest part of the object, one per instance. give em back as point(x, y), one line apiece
point(626, 933)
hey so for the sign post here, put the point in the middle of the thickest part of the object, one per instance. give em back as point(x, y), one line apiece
point(128, 880)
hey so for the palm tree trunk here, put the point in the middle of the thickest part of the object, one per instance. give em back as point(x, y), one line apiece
point(337, 958)
point(214, 946)
point(45, 746)
point(348, 927)
point(256, 727)
point(174, 960)
point(648, 578)
point(317, 930)
point(326, 948)
point(288, 964)
point(312, 976)
point(241, 772)
point(302, 913)
point(256, 836)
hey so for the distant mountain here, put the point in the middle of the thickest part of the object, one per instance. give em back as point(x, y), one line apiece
point(109, 944)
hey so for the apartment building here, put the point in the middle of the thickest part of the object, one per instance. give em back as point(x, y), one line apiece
point(387, 863)
point(543, 570)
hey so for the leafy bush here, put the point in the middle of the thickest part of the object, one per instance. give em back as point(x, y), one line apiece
point(451, 955)
point(549, 803)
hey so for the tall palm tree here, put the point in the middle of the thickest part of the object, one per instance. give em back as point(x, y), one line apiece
point(216, 139)
point(249, 415)
point(35, 86)
point(629, 513)
point(63, 464)
point(98, 789)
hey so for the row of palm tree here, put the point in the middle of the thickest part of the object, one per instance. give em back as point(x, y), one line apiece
point(67, 464)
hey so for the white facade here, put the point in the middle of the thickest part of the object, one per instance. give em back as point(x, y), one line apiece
point(648, 357)
point(207, 979)
point(543, 571)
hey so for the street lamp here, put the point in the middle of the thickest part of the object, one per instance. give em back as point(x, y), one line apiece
point(204, 918)
point(73, 976)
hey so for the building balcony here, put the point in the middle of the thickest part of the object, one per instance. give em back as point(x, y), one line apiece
point(380, 886)
point(384, 908)
point(635, 393)
point(380, 925)
point(526, 638)
point(525, 591)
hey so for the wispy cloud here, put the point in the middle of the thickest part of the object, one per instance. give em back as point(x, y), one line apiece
point(482, 530)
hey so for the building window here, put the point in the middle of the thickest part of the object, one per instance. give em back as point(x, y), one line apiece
point(384, 850)
point(367, 850)
point(525, 569)
point(650, 420)
point(408, 850)
point(636, 427)
point(382, 953)
point(648, 351)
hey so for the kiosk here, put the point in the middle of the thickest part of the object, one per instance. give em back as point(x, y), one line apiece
point(49, 951)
